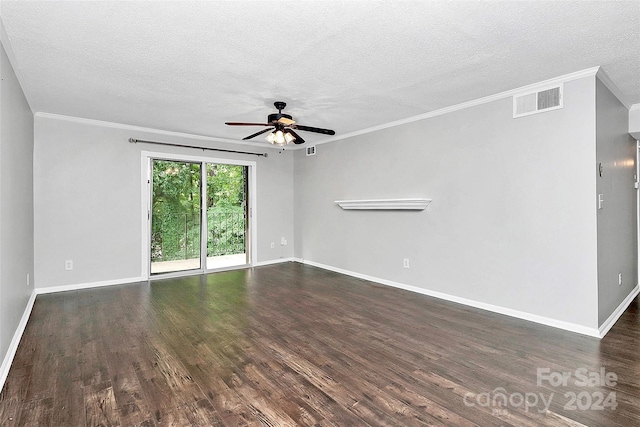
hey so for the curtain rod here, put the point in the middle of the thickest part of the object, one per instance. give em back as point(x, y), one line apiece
point(169, 144)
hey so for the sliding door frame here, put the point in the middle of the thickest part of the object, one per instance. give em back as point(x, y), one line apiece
point(146, 193)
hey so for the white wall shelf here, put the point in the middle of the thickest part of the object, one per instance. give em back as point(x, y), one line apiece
point(385, 204)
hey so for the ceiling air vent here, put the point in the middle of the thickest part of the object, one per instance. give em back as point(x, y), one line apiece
point(537, 102)
point(311, 151)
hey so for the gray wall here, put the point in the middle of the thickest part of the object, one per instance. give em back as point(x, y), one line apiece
point(617, 247)
point(88, 199)
point(16, 202)
point(512, 222)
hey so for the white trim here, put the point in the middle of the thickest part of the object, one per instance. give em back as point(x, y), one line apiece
point(506, 94)
point(275, 261)
point(547, 321)
point(78, 286)
point(385, 204)
point(606, 80)
point(204, 220)
point(195, 272)
point(176, 274)
point(634, 121)
point(134, 128)
point(608, 324)
point(17, 336)
point(572, 327)
point(145, 214)
point(253, 212)
point(196, 159)
point(129, 280)
point(6, 43)
point(145, 171)
point(556, 80)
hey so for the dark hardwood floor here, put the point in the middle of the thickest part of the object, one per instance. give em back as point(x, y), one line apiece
point(290, 344)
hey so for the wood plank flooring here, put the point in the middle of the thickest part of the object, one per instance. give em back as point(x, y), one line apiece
point(289, 344)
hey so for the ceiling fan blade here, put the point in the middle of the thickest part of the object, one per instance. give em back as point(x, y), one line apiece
point(317, 130)
point(247, 124)
point(298, 139)
point(256, 134)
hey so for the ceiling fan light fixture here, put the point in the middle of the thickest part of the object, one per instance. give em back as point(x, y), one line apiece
point(279, 138)
point(288, 137)
point(271, 137)
point(282, 132)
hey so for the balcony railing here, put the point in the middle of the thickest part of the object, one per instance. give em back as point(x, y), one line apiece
point(176, 235)
point(226, 231)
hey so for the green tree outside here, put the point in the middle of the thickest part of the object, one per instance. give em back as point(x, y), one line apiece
point(176, 206)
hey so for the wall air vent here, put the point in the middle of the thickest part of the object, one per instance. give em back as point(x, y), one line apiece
point(537, 102)
point(311, 151)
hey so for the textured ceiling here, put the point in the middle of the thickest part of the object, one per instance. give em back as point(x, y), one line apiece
point(347, 65)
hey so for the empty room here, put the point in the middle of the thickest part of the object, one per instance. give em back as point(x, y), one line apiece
point(319, 213)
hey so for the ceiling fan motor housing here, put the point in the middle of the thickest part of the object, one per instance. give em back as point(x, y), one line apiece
point(276, 116)
point(283, 127)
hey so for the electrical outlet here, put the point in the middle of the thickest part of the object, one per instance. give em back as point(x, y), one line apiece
point(68, 265)
point(620, 279)
point(405, 263)
point(283, 241)
point(28, 280)
point(273, 245)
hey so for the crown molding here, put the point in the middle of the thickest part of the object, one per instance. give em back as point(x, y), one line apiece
point(6, 44)
point(606, 80)
point(589, 72)
point(133, 128)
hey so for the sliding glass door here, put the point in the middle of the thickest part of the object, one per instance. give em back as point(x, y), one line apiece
point(227, 217)
point(195, 226)
point(175, 216)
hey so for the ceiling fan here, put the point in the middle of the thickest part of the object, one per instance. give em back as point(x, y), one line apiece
point(282, 128)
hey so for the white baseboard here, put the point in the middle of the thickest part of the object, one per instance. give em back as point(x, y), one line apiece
point(78, 286)
point(608, 324)
point(13, 346)
point(17, 336)
point(75, 287)
point(273, 261)
point(567, 326)
point(572, 327)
